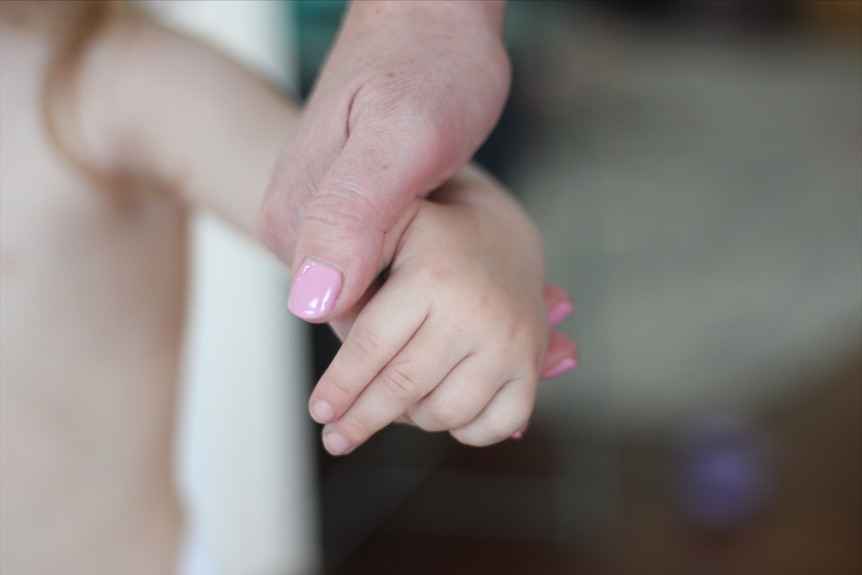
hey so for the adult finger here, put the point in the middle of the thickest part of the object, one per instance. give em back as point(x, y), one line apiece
point(562, 355)
point(362, 201)
point(558, 304)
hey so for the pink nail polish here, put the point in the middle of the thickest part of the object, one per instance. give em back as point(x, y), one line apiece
point(314, 290)
point(559, 313)
point(518, 435)
point(562, 367)
point(322, 412)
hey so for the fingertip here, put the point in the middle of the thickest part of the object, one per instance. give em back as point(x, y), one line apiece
point(335, 443)
point(314, 291)
point(562, 351)
point(321, 411)
point(560, 367)
point(559, 312)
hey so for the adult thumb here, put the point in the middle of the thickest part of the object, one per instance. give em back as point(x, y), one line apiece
point(351, 226)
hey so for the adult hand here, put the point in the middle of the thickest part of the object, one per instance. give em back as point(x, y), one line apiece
point(409, 92)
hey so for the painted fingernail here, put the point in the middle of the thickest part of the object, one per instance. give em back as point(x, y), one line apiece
point(335, 443)
point(322, 412)
point(520, 433)
point(314, 290)
point(560, 368)
point(559, 313)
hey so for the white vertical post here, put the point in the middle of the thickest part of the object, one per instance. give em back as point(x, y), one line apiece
point(245, 460)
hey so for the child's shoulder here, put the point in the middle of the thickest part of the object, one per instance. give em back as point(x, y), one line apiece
point(52, 137)
point(137, 99)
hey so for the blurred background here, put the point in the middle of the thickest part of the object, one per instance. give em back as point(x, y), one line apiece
point(695, 169)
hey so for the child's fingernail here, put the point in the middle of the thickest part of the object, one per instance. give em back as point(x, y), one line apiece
point(559, 313)
point(322, 412)
point(562, 367)
point(314, 290)
point(335, 443)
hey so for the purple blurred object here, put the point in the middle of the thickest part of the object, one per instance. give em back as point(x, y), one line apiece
point(724, 474)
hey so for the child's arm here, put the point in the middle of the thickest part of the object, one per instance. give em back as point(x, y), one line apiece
point(159, 107)
point(455, 338)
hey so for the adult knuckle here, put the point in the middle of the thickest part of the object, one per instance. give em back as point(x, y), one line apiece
point(440, 139)
point(428, 129)
point(419, 123)
point(344, 206)
point(278, 221)
point(272, 223)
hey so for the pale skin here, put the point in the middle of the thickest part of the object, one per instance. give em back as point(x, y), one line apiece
point(466, 352)
point(92, 291)
point(90, 343)
point(409, 92)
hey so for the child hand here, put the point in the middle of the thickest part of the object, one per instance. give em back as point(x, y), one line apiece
point(455, 337)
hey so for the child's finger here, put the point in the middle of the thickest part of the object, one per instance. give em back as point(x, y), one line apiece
point(376, 337)
point(342, 324)
point(507, 413)
point(461, 396)
point(413, 373)
point(509, 409)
